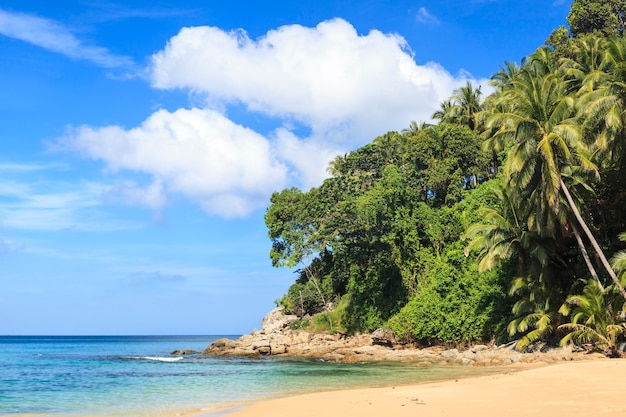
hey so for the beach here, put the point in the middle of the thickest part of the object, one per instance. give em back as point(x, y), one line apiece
point(593, 388)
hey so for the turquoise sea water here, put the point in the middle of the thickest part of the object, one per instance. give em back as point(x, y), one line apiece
point(136, 376)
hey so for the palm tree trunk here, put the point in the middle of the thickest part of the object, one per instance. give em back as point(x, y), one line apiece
point(593, 241)
point(583, 250)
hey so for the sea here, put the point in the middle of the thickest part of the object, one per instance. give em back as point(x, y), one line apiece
point(124, 376)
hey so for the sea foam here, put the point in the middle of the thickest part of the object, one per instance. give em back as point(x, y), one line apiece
point(162, 358)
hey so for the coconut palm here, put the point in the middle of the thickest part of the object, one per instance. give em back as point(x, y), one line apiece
point(597, 316)
point(414, 128)
point(446, 112)
point(540, 119)
point(537, 310)
point(587, 66)
point(467, 102)
point(502, 234)
point(462, 108)
point(618, 262)
point(604, 106)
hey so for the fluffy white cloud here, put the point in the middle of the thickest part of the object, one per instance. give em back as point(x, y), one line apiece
point(225, 167)
point(308, 157)
point(342, 87)
point(55, 37)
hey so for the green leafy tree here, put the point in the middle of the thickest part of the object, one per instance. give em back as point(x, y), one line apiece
point(605, 17)
point(462, 108)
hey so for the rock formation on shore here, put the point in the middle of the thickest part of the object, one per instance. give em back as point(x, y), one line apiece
point(275, 338)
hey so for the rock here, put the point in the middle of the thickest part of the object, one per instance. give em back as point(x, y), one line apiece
point(223, 343)
point(276, 320)
point(183, 352)
point(450, 354)
point(263, 350)
point(383, 337)
point(479, 348)
point(468, 354)
point(276, 338)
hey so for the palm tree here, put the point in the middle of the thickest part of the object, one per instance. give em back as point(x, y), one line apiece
point(597, 317)
point(537, 311)
point(618, 262)
point(587, 66)
point(502, 234)
point(467, 102)
point(446, 112)
point(414, 128)
point(502, 79)
point(540, 120)
point(462, 108)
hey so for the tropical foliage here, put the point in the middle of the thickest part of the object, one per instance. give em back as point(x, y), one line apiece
point(481, 226)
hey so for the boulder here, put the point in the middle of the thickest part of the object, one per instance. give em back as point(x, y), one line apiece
point(450, 354)
point(383, 337)
point(276, 320)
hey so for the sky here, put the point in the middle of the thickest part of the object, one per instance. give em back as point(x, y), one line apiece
point(140, 141)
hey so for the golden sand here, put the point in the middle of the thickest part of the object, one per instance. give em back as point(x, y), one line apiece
point(579, 388)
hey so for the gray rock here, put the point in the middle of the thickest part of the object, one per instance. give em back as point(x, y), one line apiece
point(468, 354)
point(450, 354)
point(383, 337)
point(479, 348)
point(183, 352)
point(276, 320)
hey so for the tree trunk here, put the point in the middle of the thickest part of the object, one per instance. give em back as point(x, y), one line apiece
point(593, 241)
point(583, 250)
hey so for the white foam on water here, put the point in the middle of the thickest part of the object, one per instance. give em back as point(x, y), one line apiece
point(162, 358)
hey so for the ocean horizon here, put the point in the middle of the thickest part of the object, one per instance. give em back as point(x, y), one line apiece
point(127, 376)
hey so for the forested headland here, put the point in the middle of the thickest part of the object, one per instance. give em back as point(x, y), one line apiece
point(504, 220)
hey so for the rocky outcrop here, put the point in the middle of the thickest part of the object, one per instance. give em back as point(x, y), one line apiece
point(275, 338)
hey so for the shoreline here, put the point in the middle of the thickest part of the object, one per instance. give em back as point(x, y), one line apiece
point(469, 372)
point(568, 388)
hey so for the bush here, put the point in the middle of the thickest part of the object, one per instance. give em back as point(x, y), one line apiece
point(455, 304)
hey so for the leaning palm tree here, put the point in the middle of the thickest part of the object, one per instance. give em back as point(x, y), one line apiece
point(540, 120)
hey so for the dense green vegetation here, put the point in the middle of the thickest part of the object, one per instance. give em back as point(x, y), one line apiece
point(496, 223)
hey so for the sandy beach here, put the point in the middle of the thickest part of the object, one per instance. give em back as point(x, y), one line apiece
point(592, 388)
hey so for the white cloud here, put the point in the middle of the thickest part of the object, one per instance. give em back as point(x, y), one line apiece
point(309, 158)
point(339, 83)
point(424, 16)
point(55, 37)
point(342, 87)
point(226, 168)
point(24, 168)
point(152, 196)
point(55, 206)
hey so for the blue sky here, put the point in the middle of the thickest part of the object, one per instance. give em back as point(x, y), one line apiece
point(140, 141)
